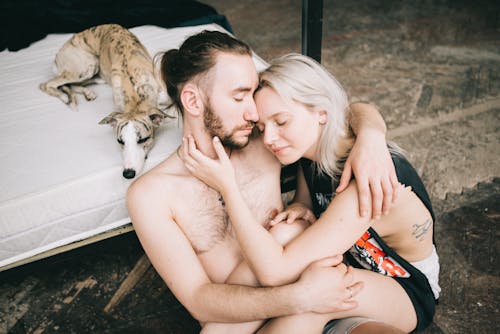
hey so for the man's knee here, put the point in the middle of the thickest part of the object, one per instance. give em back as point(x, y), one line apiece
point(359, 325)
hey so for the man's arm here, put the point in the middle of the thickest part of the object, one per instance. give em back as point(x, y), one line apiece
point(176, 262)
point(363, 116)
point(370, 161)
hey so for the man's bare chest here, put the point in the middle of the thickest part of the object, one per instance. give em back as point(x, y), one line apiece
point(203, 218)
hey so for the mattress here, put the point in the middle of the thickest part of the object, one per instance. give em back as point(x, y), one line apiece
point(61, 172)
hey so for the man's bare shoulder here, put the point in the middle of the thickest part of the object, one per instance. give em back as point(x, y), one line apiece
point(158, 184)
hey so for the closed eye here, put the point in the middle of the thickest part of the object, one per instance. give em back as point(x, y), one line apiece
point(143, 140)
point(281, 120)
point(240, 96)
point(120, 141)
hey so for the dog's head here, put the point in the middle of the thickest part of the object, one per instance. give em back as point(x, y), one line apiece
point(135, 133)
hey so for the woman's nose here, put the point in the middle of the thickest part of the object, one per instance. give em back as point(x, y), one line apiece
point(269, 136)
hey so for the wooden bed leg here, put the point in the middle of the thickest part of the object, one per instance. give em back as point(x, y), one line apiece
point(129, 282)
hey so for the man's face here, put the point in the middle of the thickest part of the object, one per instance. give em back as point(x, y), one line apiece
point(230, 111)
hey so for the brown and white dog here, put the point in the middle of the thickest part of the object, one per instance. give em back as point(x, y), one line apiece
point(114, 54)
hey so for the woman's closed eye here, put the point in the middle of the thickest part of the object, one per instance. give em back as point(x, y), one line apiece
point(280, 121)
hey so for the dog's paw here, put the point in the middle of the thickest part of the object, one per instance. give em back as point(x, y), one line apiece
point(65, 98)
point(73, 106)
point(89, 94)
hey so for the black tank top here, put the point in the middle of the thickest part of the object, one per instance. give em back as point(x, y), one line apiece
point(370, 251)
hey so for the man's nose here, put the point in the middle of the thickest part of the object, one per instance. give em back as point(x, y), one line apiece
point(251, 114)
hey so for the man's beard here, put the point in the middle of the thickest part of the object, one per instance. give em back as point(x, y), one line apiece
point(214, 127)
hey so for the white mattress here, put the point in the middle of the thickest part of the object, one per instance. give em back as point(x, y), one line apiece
point(60, 172)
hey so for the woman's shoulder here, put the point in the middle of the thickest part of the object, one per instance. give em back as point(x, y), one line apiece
point(408, 176)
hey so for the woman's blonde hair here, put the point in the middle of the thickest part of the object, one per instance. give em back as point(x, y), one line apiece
point(301, 79)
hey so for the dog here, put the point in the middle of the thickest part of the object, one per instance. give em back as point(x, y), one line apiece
point(112, 54)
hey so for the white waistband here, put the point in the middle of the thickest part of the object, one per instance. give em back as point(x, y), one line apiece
point(430, 268)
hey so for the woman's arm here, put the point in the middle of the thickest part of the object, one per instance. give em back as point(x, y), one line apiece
point(333, 233)
point(337, 229)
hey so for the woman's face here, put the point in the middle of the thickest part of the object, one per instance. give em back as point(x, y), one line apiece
point(289, 130)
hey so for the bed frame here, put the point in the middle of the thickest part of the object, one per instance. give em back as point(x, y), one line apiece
point(312, 12)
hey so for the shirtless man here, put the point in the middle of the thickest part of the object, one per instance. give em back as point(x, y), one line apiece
point(181, 222)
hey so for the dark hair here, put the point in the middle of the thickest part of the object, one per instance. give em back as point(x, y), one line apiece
point(195, 56)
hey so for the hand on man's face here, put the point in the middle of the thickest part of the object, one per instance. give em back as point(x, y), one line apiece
point(328, 286)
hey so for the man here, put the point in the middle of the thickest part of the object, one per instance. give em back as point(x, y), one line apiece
point(182, 223)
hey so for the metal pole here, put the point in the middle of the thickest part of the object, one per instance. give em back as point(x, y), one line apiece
point(312, 24)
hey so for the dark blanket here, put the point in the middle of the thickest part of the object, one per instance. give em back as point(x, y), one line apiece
point(23, 22)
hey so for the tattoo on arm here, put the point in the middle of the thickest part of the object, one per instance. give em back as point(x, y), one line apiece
point(420, 230)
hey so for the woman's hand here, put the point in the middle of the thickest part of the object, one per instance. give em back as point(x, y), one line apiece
point(218, 174)
point(376, 179)
point(293, 212)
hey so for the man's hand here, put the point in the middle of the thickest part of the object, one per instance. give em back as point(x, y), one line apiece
point(293, 212)
point(327, 286)
point(376, 179)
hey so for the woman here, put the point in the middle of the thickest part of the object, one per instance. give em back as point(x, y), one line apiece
point(302, 118)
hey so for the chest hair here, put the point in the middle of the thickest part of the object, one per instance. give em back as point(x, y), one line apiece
point(206, 222)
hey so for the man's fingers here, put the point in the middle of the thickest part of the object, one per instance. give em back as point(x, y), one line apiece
point(331, 261)
point(347, 305)
point(349, 301)
point(278, 218)
point(388, 191)
point(395, 185)
point(346, 177)
point(377, 197)
point(355, 288)
point(349, 276)
point(364, 196)
point(309, 216)
point(292, 216)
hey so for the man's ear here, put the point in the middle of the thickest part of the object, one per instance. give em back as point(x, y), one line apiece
point(191, 100)
point(322, 117)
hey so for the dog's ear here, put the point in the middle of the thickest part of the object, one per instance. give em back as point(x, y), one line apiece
point(111, 119)
point(157, 116)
